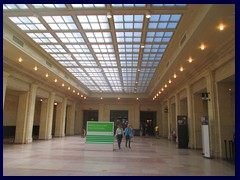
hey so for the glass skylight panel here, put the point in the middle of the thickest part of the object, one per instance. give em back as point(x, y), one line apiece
point(94, 22)
point(68, 63)
point(88, 5)
point(117, 89)
point(60, 22)
point(75, 48)
point(106, 89)
point(128, 57)
point(83, 56)
point(88, 63)
point(164, 21)
point(69, 37)
point(155, 48)
point(53, 48)
point(106, 57)
point(128, 37)
point(103, 48)
point(128, 5)
point(129, 48)
point(49, 6)
point(74, 70)
point(61, 57)
point(42, 37)
point(128, 21)
point(27, 23)
point(14, 6)
point(158, 36)
point(99, 37)
point(151, 57)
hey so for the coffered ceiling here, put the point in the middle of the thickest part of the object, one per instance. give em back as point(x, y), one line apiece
point(114, 48)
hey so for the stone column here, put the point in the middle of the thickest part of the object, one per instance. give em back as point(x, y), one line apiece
point(177, 102)
point(21, 118)
point(46, 117)
point(169, 119)
point(60, 118)
point(30, 114)
point(26, 108)
point(70, 119)
point(214, 127)
point(190, 116)
point(50, 115)
point(5, 78)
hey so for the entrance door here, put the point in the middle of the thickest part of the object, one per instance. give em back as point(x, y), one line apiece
point(119, 118)
point(89, 115)
point(148, 122)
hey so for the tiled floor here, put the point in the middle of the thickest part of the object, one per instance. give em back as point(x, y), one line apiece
point(147, 157)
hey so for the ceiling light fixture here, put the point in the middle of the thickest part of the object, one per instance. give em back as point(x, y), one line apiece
point(55, 80)
point(170, 81)
point(165, 85)
point(46, 75)
point(202, 47)
point(109, 15)
point(63, 85)
point(35, 68)
point(74, 91)
point(20, 59)
point(190, 60)
point(78, 93)
point(69, 88)
point(148, 15)
point(175, 76)
point(181, 69)
point(221, 27)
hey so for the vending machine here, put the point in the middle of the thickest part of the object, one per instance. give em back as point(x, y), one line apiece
point(205, 137)
point(182, 132)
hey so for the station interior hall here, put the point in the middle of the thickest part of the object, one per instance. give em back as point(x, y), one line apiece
point(166, 69)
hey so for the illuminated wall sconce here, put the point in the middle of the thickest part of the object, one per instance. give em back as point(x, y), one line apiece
point(109, 15)
point(148, 15)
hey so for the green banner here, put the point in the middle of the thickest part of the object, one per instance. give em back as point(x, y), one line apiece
point(100, 132)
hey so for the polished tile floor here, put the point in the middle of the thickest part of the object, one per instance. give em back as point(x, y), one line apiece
point(147, 157)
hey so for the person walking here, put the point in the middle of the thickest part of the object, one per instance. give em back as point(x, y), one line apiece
point(119, 135)
point(128, 135)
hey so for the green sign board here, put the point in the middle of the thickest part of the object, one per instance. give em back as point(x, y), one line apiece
point(100, 132)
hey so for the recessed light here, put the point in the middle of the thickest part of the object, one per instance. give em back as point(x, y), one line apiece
point(55, 80)
point(165, 85)
point(181, 69)
point(69, 88)
point(190, 60)
point(202, 47)
point(170, 81)
point(175, 76)
point(221, 27)
point(20, 59)
point(137, 99)
point(74, 91)
point(63, 84)
point(78, 93)
point(35, 68)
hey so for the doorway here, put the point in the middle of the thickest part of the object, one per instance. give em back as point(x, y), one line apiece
point(148, 122)
point(119, 118)
point(89, 115)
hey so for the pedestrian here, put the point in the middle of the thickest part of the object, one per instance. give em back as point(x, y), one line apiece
point(128, 135)
point(119, 135)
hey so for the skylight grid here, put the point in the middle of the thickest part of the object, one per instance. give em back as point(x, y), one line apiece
point(129, 89)
point(128, 48)
point(128, 37)
point(68, 63)
point(93, 88)
point(75, 48)
point(105, 89)
point(127, 63)
point(128, 57)
point(128, 5)
point(14, 6)
point(49, 6)
point(94, 22)
point(99, 37)
point(88, 63)
point(60, 22)
point(117, 89)
point(152, 57)
point(83, 56)
point(163, 37)
point(27, 23)
point(164, 21)
point(42, 37)
point(114, 83)
point(88, 5)
point(61, 57)
point(128, 21)
point(155, 48)
point(142, 89)
point(103, 48)
point(106, 57)
point(53, 48)
point(75, 70)
point(149, 63)
point(68, 37)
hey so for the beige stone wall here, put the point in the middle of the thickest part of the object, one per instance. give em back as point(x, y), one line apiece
point(10, 110)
